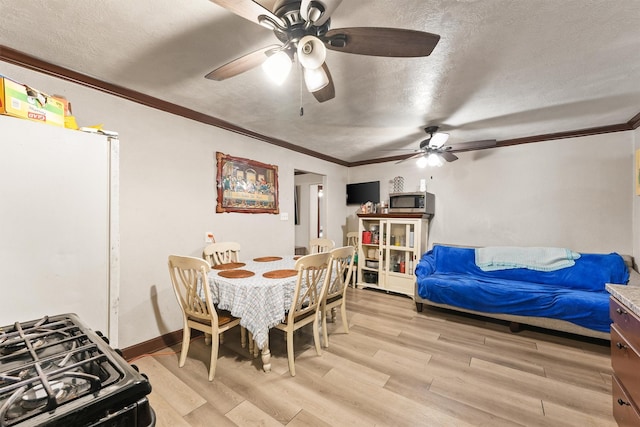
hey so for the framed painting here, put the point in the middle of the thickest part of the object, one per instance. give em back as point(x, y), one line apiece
point(246, 186)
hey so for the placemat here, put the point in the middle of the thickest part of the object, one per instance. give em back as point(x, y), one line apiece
point(279, 274)
point(229, 266)
point(236, 274)
point(267, 258)
point(297, 257)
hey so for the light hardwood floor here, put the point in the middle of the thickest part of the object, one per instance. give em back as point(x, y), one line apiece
point(396, 367)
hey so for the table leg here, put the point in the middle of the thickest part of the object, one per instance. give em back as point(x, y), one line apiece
point(266, 357)
point(252, 345)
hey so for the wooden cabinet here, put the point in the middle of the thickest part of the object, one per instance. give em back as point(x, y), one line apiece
point(625, 360)
point(390, 247)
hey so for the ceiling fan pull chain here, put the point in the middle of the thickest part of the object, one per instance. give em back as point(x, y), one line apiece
point(300, 80)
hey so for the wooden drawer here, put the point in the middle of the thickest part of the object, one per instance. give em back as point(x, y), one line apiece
point(627, 321)
point(625, 412)
point(625, 361)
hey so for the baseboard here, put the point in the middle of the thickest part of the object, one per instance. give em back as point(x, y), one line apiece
point(153, 345)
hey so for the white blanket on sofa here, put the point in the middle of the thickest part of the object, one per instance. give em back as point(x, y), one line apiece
point(493, 258)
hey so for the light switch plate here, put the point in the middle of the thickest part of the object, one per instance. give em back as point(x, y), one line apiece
point(284, 216)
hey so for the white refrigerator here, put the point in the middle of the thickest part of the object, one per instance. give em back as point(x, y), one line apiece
point(59, 241)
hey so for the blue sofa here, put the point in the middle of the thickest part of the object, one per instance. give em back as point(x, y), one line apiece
point(571, 299)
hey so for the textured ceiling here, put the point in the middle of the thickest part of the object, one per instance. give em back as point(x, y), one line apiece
point(503, 69)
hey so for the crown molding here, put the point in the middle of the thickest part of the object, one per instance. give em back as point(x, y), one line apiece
point(24, 60)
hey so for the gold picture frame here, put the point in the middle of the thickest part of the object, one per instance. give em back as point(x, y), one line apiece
point(246, 186)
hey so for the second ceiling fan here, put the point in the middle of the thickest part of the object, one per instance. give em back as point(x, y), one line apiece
point(432, 150)
point(303, 29)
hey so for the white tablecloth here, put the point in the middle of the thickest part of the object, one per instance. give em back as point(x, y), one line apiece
point(259, 302)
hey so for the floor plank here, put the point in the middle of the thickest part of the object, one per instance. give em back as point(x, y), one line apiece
point(180, 396)
point(396, 367)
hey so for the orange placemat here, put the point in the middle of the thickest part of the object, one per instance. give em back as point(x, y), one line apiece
point(236, 274)
point(279, 274)
point(229, 266)
point(267, 258)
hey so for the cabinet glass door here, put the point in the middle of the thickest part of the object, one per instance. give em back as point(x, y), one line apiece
point(371, 251)
point(401, 247)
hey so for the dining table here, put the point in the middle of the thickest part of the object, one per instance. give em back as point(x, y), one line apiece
point(259, 292)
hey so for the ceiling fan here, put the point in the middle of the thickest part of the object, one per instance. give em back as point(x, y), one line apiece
point(302, 27)
point(432, 150)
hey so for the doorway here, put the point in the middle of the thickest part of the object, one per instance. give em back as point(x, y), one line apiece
point(311, 207)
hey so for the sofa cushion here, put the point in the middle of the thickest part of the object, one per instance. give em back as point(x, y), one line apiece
point(490, 295)
point(591, 271)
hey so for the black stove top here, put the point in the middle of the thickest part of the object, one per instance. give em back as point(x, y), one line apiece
point(56, 371)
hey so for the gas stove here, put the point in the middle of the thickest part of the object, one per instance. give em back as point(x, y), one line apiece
point(56, 371)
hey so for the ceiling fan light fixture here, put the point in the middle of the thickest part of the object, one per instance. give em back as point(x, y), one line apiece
point(421, 162)
point(311, 52)
point(434, 160)
point(315, 79)
point(277, 67)
point(322, 12)
point(313, 11)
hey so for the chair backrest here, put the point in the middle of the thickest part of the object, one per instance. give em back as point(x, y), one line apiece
point(320, 245)
point(222, 253)
point(313, 271)
point(352, 238)
point(341, 271)
point(190, 284)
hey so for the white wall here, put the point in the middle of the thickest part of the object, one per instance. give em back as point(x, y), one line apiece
point(572, 193)
point(636, 200)
point(168, 197)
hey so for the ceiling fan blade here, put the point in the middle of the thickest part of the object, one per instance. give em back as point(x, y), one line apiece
point(329, 7)
point(415, 156)
point(242, 64)
point(438, 139)
point(472, 145)
point(248, 9)
point(449, 156)
point(329, 91)
point(375, 41)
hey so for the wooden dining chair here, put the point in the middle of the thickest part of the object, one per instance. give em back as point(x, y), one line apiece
point(353, 239)
point(224, 253)
point(221, 253)
point(341, 261)
point(189, 279)
point(320, 245)
point(313, 271)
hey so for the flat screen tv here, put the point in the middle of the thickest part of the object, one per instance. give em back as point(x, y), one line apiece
point(363, 192)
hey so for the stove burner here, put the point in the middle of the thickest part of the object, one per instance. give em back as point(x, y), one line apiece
point(62, 391)
point(57, 372)
point(37, 396)
point(31, 372)
point(17, 346)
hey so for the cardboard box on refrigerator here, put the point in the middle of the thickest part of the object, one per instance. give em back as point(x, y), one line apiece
point(22, 101)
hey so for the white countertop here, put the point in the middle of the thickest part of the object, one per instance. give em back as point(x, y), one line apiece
point(628, 295)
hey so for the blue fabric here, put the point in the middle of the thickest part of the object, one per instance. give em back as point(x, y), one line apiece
point(449, 275)
point(590, 272)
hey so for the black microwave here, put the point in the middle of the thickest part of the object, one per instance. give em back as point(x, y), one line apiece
point(419, 202)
